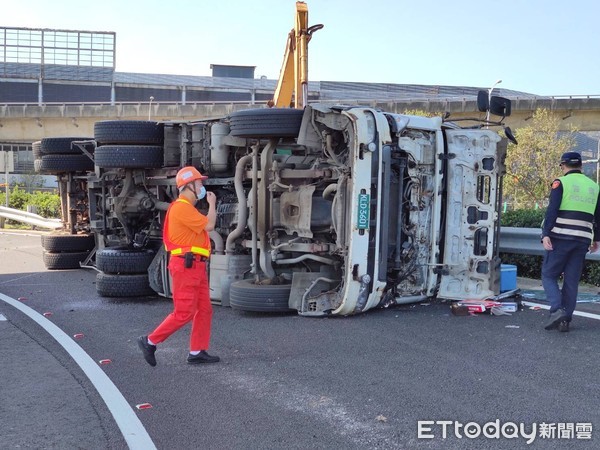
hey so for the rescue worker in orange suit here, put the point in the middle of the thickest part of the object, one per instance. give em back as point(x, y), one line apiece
point(185, 235)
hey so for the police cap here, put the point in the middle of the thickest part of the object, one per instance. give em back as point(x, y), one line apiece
point(571, 159)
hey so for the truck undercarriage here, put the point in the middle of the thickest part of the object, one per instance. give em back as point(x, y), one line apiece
point(326, 210)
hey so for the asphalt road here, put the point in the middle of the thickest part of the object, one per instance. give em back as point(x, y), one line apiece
point(286, 381)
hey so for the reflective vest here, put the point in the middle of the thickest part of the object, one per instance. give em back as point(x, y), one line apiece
point(176, 249)
point(576, 212)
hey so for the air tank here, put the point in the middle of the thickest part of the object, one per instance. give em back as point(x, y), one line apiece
point(219, 152)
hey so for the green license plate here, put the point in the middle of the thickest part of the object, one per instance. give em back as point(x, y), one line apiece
point(364, 206)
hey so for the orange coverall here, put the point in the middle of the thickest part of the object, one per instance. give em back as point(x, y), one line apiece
point(184, 228)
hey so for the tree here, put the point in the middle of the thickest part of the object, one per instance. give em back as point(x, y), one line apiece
point(422, 112)
point(31, 181)
point(533, 163)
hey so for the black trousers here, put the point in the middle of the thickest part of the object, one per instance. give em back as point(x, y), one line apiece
point(567, 258)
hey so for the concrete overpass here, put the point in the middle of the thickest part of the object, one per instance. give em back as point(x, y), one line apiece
point(26, 122)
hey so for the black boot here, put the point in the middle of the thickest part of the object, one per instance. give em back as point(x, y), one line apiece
point(553, 319)
point(148, 350)
point(202, 358)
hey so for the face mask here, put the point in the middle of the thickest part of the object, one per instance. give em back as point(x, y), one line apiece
point(202, 193)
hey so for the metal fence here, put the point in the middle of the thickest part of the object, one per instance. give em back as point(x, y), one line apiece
point(527, 241)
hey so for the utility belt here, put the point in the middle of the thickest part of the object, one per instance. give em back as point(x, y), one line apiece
point(190, 257)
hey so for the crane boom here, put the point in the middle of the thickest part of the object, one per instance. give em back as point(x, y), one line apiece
point(293, 77)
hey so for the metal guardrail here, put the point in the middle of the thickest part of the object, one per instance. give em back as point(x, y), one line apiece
point(383, 99)
point(527, 241)
point(119, 103)
point(30, 218)
point(520, 241)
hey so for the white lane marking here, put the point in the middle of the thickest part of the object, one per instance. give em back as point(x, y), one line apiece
point(20, 278)
point(128, 422)
point(2, 318)
point(575, 313)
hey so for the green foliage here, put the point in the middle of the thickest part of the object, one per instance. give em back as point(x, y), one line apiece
point(533, 164)
point(528, 266)
point(591, 273)
point(18, 199)
point(523, 218)
point(48, 203)
point(421, 112)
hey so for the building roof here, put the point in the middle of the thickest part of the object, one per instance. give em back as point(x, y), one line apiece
point(329, 90)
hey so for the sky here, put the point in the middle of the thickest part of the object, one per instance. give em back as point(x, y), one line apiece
point(543, 47)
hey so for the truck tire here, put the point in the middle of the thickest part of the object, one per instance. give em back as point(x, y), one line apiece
point(124, 261)
point(36, 149)
point(266, 123)
point(129, 157)
point(247, 296)
point(66, 163)
point(128, 132)
point(63, 261)
point(61, 145)
point(68, 242)
point(110, 285)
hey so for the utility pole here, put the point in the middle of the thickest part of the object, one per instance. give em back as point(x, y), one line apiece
point(150, 108)
point(7, 164)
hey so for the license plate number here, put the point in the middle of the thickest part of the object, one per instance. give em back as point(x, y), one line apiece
point(364, 207)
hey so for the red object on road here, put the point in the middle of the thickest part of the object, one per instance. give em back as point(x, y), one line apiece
point(143, 406)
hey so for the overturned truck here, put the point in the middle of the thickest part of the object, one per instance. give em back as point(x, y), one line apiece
point(326, 210)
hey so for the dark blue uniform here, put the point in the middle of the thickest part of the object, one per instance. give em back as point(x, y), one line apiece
point(570, 242)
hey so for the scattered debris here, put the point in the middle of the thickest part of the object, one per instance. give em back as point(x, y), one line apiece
point(499, 311)
point(143, 406)
point(497, 308)
point(459, 310)
point(381, 418)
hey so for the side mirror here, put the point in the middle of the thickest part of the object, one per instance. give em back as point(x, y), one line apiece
point(482, 101)
point(499, 106)
point(510, 136)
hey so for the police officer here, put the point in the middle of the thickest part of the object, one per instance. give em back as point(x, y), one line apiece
point(570, 229)
point(185, 236)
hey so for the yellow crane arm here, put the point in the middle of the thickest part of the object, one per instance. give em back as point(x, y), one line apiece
point(293, 77)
